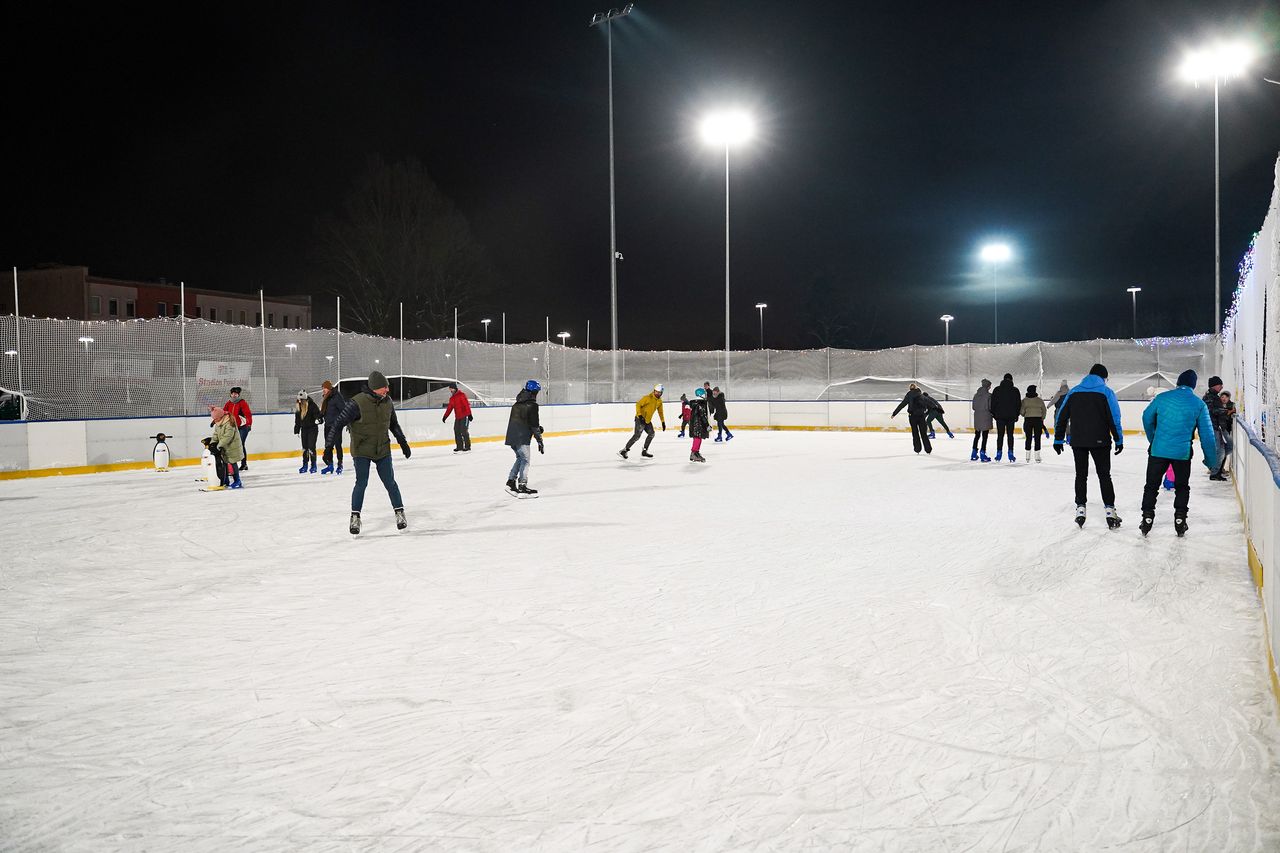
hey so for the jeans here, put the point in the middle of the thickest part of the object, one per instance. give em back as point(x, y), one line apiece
point(244, 436)
point(520, 470)
point(641, 427)
point(461, 433)
point(227, 473)
point(1156, 466)
point(919, 433)
point(1222, 442)
point(721, 429)
point(385, 473)
point(1032, 428)
point(1004, 428)
point(1102, 462)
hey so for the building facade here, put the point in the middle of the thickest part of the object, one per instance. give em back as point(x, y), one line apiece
point(72, 292)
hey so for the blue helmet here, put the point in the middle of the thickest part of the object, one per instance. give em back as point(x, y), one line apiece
point(532, 385)
point(701, 392)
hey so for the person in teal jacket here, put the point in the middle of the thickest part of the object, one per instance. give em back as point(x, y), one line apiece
point(1171, 421)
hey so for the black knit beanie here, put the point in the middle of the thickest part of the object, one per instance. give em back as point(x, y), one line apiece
point(1098, 370)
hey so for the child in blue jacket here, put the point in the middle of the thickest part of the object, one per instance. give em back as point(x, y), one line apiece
point(1171, 421)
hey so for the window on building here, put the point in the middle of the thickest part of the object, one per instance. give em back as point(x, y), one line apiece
point(284, 321)
point(162, 309)
point(129, 309)
point(271, 319)
point(95, 305)
point(176, 309)
point(257, 318)
point(113, 307)
point(242, 318)
point(213, 314)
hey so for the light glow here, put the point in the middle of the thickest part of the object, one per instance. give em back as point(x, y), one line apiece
point(1220, 61)
point(726, 128)
point(996, 253)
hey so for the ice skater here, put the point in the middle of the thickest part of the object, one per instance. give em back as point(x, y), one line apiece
point(306, 423)
point(1092, 414)
point(331, 405)
point(523, 427)
point(646, 407)
point(227, 448)
point(1213, 400)
point(370, 415)
point(243, 417)
point(934, 413)
point(699, 424)
point(460, 406)
point(1061, 394)
point(720, 411)
point(685, 411)
point(1171, 421)
point(1033, 413)
point(982, 420)
point(916, 410)
point(1006, 403)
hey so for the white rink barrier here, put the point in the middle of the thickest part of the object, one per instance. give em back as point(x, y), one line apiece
point(1256, 471)
point(43, 448)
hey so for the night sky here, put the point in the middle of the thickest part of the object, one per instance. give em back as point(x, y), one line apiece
point(894, 139)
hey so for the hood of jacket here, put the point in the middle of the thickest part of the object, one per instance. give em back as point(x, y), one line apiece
point(526, 395)
point(1092, 382)
point(986, 385)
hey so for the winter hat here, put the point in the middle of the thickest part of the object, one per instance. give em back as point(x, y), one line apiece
point(377, 380)
point(1008, 377)
point(986, 383)
point(453, 385)
point(1189, 378)
point(658, 389)
point(1031, 390)
point(235, 390)
point(326, 385)
point(217, 412)
point(1215, 380)
point(701, 392)
point(1099, 370)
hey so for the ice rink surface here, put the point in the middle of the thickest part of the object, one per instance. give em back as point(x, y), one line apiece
point(815, 641)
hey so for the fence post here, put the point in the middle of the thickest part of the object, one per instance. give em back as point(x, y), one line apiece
point(262, 306)
point(182, 336)
point(17, 335)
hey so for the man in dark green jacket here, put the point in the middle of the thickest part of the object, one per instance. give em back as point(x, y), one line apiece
point(370, 416)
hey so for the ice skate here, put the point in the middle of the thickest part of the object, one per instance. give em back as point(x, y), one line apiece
point(526, 492)
point(1038, 459)
point(951, 435)
point(999, 455)
point(354, 526)
point(1180, 525)
point(622, 453)
point(1011, 457)
point(511, 486)
point(680, 435)
point(303, 469)
point(401, 521)
point(1146, 524)
point(718, 438)
point(1080, 516)
point(1113, 518)
point(984, 457)
point(695, 456)
point(313, 466)
point(338, 470)
point(646, 454)
point(931, 435)
point(238, 484)
point(973, 457)
point(328, 469)
point(729, 437)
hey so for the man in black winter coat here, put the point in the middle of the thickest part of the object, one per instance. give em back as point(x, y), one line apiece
point(1218, 416)
point(1006, 407)
point(917, 408)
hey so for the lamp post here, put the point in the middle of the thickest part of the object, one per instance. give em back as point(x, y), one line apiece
point(1134, 291)
point(726, 129)
point(597, 19)
point(564, 363)
point(86, 341)
point(291, 348)
point(329, 359)
point(1219, 62)
point(761, 306)
point(946, 354)
point(486, 329)
point(995, 254)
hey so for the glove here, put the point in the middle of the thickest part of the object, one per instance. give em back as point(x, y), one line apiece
point(404, 448)
point(1057, 448)
point(541, 430)
point(470, 418)
point(664, 427)
point(542, 448)
point(1119, 448)
point(445, 419)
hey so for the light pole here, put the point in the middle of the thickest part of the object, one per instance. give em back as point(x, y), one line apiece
point(291, 348)
point(727, 129)
point(1220, 62)
point(995, 254)
point(597, 19)
point(761, 306)
point(86, 341)
point(564, 363)
point(486, 329)
point(329, 359)
point(1134, 291)
point(946, 354)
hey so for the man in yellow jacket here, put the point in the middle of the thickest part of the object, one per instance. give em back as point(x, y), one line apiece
point(646, 406)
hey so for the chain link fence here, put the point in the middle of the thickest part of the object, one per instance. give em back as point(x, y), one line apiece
point(166, 366)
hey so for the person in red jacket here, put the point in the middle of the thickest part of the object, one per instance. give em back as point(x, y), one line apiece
point(239, 409)
point(461, 408)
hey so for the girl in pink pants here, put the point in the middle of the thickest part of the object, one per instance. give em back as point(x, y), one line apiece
point(699, 423)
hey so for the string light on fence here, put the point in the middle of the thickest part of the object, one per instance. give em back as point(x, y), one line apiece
point(1245, 270)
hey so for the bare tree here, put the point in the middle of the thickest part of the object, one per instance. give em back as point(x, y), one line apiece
point(400, 239)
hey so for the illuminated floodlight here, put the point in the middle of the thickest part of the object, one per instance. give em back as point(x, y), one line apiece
point(762, 305)
point(996, 253)
point(1134, 290)
point(1221, 61)
point(726, 128)
point(946, 318)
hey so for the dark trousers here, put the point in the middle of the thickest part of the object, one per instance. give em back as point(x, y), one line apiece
point(1004, 428)
point(721, 429)
point(309, 445)
point(329, 451)
point(646, 429)
point(385, 474)
point(1102, 463)
point(1032, 428)
point(934, 415)
point(244, 438)
point(227, 474)
point(461, 433)
point(919, 433)
point(981, 435)
point(1156, 467)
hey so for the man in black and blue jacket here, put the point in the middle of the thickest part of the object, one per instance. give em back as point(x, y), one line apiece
point(1093, 414)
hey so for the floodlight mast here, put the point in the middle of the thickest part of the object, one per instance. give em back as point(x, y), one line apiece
point(606, 18)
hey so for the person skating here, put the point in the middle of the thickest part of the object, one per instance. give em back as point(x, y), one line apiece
point(460, 406)
point(916, 410)
point(1061, 394)
point(646, 407)
point(720, 411)
point(699, 424)
point(1171, 421)
point(243, 417)
point(331, 405)
point(227, 447)
point(1213, 400)
point(982, 420)
point(1006, 403)
point(1092, 413)
point(934, 413)
point(1033, 413)
point(306, 423)
point(523, 427)
point(370, 416)
point(684, 414)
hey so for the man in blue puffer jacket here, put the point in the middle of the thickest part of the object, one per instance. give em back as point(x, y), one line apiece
point(1170, 421)
point(1093, 415)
